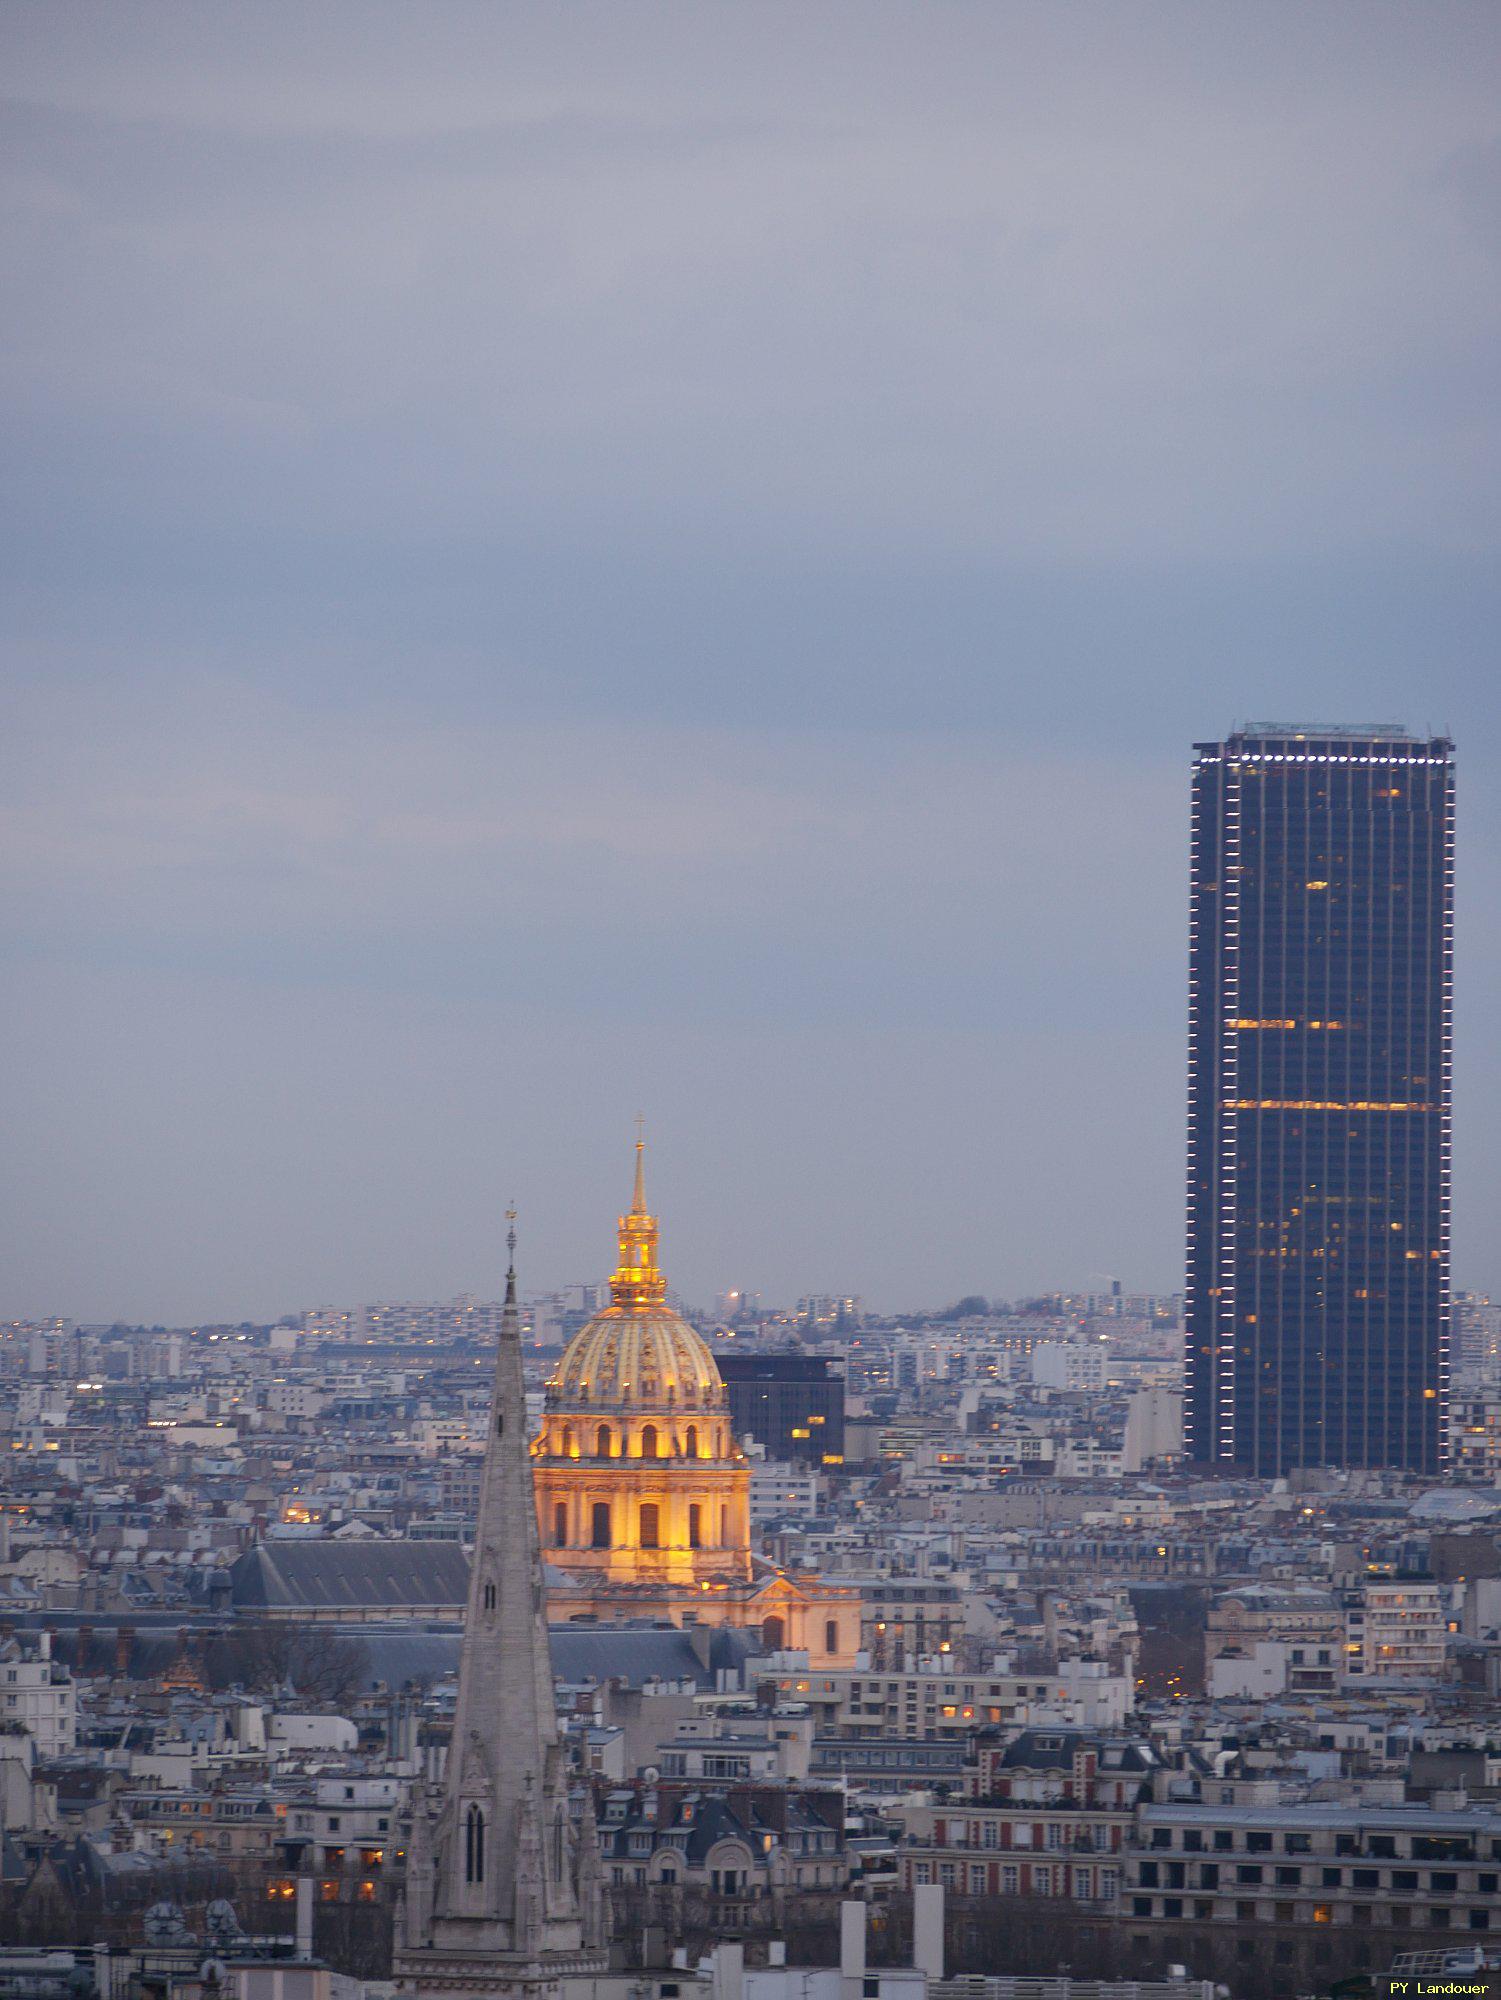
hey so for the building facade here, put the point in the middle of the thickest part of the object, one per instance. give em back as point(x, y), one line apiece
point(638, 1472)
point(1398, 1867)
point(791, 1403)
point(1320, 1001)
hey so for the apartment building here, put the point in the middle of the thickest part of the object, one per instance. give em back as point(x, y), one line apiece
point(38, 1696)
point(928, 1706)
point(1049, 1813)
point(1407, 1867)
point(1397, 1628)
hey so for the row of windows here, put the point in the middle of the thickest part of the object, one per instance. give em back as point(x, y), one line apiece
point(651, 1443)
point(1400, 1915)
point(1441, 1881)
point(1082, 1883)
point(648, 1526)
point(1377, 1846)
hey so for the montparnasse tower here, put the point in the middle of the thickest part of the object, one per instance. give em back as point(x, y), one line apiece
point(638, 1476)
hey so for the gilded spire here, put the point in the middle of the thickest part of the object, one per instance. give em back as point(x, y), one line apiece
point(638, 1199)
point(637, 1285)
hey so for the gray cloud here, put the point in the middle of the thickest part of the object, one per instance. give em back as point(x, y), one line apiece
point(559, 560)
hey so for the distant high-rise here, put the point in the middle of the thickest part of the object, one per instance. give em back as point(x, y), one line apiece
point(792, 1403)
point(1320, 1011)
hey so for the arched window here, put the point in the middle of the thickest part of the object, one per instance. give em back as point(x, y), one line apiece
point(601, 1527)
point(568, 1440)
point(690, 1441)
point(602, 1444)
point(474, 1845)
point(773, 1634)
point(489, 1599)
point(695, 1533)
point(649, 1532)
point(560, 1525)
point(648, 1440)
point(831, 1636)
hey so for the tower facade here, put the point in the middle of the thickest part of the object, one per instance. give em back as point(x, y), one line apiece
point(639, 1478)
point(503, 1893)
point(1320, 1029)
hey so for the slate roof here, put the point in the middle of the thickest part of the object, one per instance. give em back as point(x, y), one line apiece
point(634, 1655)
point(1043, 1749)
point(400, 1653)
point(320, 1573)
point(350, 1576)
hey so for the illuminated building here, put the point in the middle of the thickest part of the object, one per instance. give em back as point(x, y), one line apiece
point(643, 1492)
point(1320, 999)
point(639, 1477)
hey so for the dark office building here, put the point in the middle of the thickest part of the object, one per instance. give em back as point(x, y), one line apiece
point(793, 1403)
point(1320, 1004)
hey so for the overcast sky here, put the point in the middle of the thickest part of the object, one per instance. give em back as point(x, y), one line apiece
point(567, 560)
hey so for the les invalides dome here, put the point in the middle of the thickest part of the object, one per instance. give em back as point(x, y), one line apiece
point(638, 1474)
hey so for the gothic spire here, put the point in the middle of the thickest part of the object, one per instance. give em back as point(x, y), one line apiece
point(502, 1891)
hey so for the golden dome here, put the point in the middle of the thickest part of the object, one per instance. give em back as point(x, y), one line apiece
point(624, 1359)
point(638, 1353)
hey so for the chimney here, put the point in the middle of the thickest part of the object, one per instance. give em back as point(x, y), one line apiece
point(927, 1929)
point(776, 1952)
point(304, 1917)
point(851, 1950)
point(729, 1971)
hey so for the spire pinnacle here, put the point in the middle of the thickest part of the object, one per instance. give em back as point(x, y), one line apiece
point(637, 1285)
point(511, 1255)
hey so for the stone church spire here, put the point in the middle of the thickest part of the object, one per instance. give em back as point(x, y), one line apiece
point(505, 1897)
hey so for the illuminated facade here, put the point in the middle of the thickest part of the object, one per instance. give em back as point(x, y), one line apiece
point(642, 1490)
point(1320, 1001)
point(639, 1478)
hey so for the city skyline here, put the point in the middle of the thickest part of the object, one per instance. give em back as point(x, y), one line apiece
point(748, 1253)
point(559, 571)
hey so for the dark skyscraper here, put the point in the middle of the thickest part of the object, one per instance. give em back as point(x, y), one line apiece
point(1320, 1006)
point(793, 1403)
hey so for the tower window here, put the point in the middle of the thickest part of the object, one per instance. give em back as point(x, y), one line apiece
point(489, 1596)
point(649, 1530)
point(474, 1845)
point(831, 1636)
point(500, 1423)
point(603, 1443)
point(648, 1440)
point(600, 1536)
point(567, 1440)
point(690, 1441)
point(695, 1533)
point(560, 1525)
